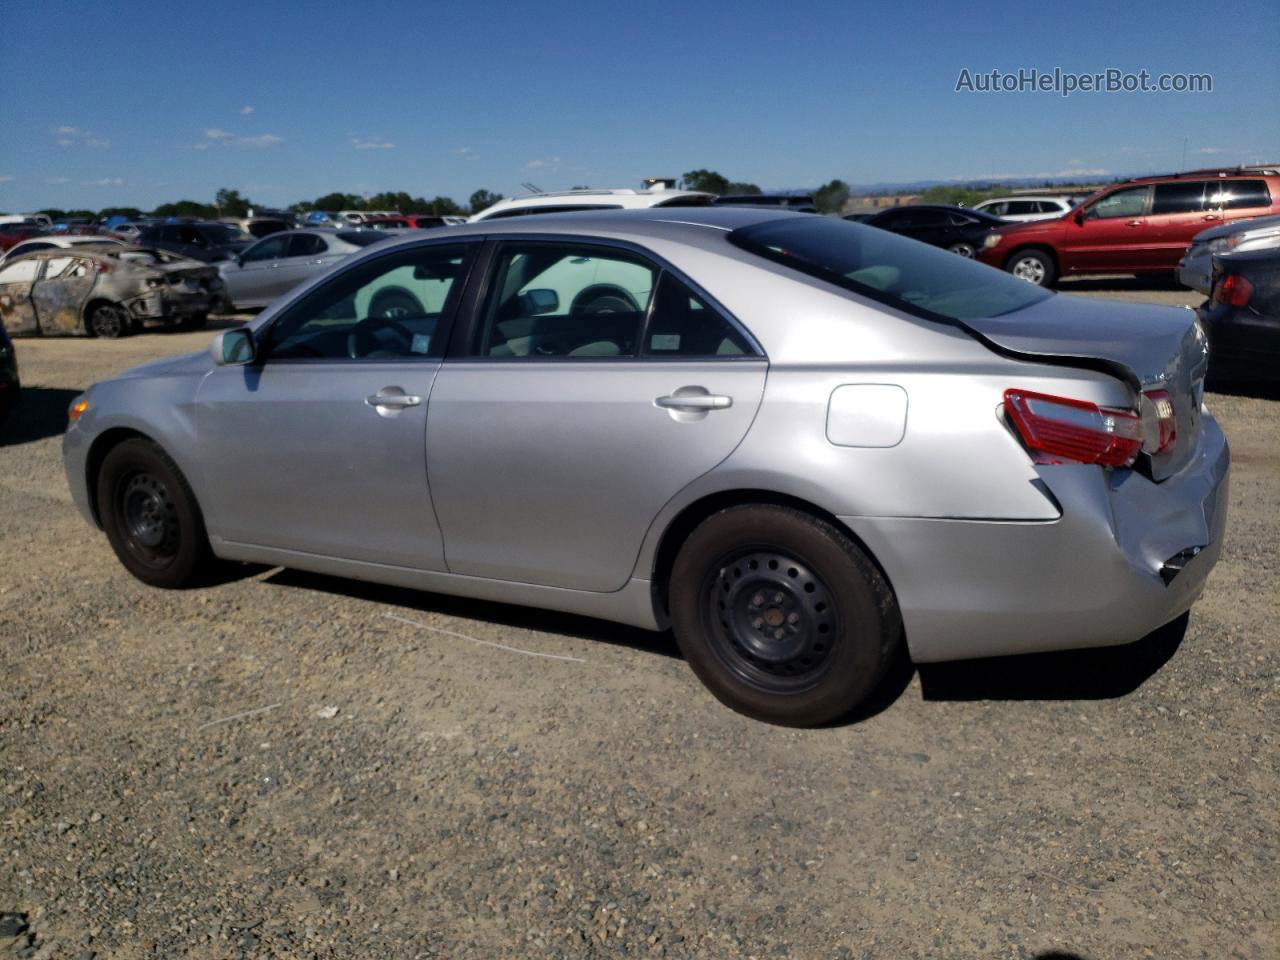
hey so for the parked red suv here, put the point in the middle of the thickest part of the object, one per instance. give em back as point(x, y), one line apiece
point(1139, 226)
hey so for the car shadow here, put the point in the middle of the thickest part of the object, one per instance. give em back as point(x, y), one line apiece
point(1100, 673)
point(1159, 281)
point(505, 614)
point(1242, 386)
point(41, 412)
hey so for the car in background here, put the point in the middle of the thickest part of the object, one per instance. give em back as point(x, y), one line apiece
point(128, 231)
point(259, 227)
point(861, 217)
point(278, 263)
point(1195, 269)
point(16, 231)
point(386, 223)
point(488, 440)
point(576, 201)
point(428, 221)
point(787, 201)
point(107, 290)
point(206, 241)
point(41, 220)
point(956, 229)
point(52, 241)
point(1140, 226)
point(1025, 209)
point(10, 384)
point(1242, 316)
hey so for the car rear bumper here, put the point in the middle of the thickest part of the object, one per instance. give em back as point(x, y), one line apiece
point(1126, 557)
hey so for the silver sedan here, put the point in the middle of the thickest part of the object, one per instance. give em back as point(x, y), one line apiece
point(799, 442)
point(276, 264)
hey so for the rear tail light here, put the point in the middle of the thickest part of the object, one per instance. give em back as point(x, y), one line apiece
point(1063, 430)
point(1161, 436)
point(103, 267)
point(1233, 290)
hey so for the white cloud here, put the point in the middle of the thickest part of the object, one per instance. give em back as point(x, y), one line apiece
point(57, 180)
point(551, 162)
point(371, 143)
point(461, 151)
point(68, 136)
point(246, 110)
point(5, 179)
point(104, 182)
point(1211, 150)
point(218, 135)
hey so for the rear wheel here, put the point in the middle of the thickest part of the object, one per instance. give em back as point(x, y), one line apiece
point(151, 517)
point(109, 321)
point(1034, 266)
point(782, 615)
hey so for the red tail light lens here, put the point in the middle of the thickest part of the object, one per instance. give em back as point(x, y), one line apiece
point(1165, 431)
point(1063, 430)
point(103, 267)
point(1233, 290)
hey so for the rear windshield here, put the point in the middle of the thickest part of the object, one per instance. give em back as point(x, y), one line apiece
point(915, 277)
point(362, 238)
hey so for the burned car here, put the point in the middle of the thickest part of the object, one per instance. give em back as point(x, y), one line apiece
point(106, 291)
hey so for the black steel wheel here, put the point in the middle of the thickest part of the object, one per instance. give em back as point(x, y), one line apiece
point(109, 321)
point(150, 515)
point(781, 614)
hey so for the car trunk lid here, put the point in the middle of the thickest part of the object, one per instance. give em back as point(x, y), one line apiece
point(1150, 347)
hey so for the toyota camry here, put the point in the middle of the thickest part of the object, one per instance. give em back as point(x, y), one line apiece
point(797, 441)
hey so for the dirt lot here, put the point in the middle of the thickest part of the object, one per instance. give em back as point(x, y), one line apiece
point(285, 765)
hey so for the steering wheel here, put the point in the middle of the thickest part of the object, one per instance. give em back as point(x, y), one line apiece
point(361, 342)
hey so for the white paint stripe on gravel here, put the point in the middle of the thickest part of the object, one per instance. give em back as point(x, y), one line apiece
point(483, 643)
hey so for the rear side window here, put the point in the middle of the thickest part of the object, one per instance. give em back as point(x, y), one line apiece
point(20, 271)
point(1238, 194)
point(681, 324)
point(1180, 197)
point(1022, 206)
point(914, 277)
point(306, 245)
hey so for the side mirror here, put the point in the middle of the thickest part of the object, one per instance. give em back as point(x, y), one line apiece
point(231, 348)
point(537, 301)
point(1079, 217)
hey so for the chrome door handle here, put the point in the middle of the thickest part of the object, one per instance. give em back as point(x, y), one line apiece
point(695, 401)
point(396, 400)
point(1134, 223)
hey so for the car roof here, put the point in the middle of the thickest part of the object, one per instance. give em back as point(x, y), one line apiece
point(1026, 196)
point(621, 197)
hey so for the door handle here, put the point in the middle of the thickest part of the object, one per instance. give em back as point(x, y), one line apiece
point(695, 401)
point(1134, 223)
point(1211, 216)
point(397, 401)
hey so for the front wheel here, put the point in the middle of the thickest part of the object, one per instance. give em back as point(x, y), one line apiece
point(109, 321)
point(151, 517)
point(963, 249)
point(1034, 266)
point(782, 615)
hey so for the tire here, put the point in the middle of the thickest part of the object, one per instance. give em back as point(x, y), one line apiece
point(151, 517)
point(109, 321)
point(750, 573)
point(1034, 266)
point(963, 249)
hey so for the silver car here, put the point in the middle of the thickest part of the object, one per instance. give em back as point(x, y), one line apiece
point(1195, 269)
point(800, 442)
point(276, 264)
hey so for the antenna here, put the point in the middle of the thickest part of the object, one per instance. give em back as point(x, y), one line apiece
point(1184, 155)
point(532, 187)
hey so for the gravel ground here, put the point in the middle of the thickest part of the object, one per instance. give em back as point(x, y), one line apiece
point(286, 765)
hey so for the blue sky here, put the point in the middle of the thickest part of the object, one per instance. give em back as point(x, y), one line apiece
point(138, 102)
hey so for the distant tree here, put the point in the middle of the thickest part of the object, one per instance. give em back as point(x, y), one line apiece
point(742, 189)
point(707, 181)
point(830, 197)
point(133, 213)
point(340, 201)
point(579, 186)
point(231, 204)
point(483, 199)
point(53, 213)
point(442, 207)
point(957, 196)
point(184, 208)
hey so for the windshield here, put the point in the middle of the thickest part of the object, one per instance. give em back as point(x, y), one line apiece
point(223, 233)
point(921, 279)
